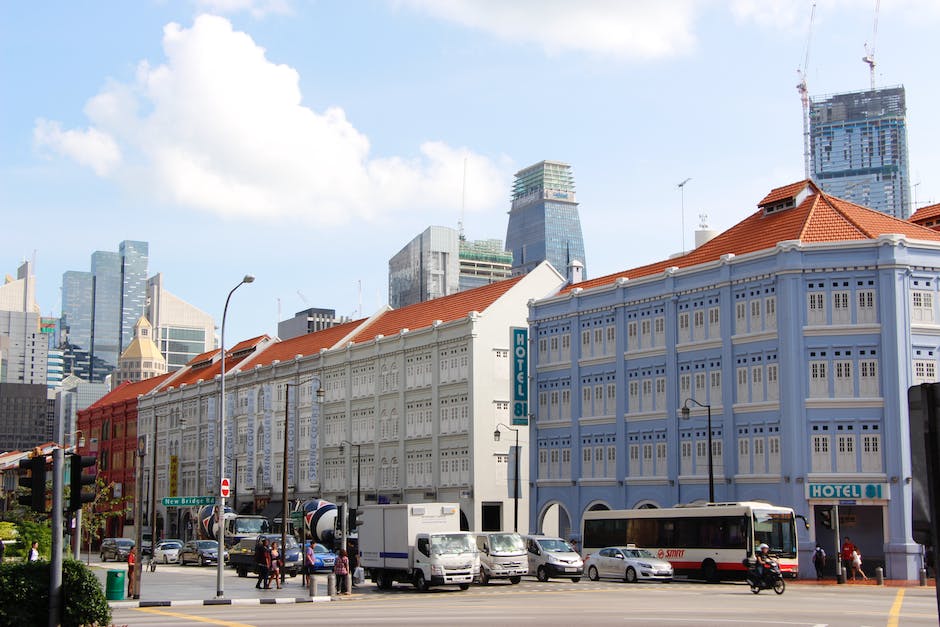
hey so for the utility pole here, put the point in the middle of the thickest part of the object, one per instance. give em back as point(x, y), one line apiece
point(55, 576)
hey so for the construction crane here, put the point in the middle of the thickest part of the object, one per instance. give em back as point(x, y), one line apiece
point(804, 94)
point(869, 57)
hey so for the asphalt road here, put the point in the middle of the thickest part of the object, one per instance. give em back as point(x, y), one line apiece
point(557, 602)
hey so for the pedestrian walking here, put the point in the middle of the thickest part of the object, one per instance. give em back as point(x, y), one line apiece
point(277, 560)
point(33, 552)
point(819, 561)
point(847, 548)
point(341, 569)
point(310, 560)
point(857, 565)
point(262, 561)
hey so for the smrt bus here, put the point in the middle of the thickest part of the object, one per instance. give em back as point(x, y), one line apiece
point(709, 540)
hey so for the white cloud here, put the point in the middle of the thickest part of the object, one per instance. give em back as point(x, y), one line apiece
point(90, 147)
point(633, 29)
point(219, 127)
point(255, 8)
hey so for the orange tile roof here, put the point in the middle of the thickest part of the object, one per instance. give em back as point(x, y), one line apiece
point(925, 213)
point(445, 309)
point(819, 218)
point(207, 372)
point(130, 390)
point(309, 344)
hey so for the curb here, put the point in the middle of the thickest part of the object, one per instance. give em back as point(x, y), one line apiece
point(273, 601)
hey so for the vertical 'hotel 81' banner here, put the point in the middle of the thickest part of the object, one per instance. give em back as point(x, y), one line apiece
point(519, 337)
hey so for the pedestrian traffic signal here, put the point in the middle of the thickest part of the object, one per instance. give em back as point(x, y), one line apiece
point(825, 517)
point(79, 479)
point(33, 478)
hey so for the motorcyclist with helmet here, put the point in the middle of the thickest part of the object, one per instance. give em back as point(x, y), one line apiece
point(764, 561)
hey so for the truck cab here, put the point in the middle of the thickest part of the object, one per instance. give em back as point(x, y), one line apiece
point(442, 559)
point(502, 556)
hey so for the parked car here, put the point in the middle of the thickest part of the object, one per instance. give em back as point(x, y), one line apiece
point(242, 555)
point(553, 557)
point(323, 559)
point(202, 552)
point(116, 549)
point(627, 563)
point(168, 551)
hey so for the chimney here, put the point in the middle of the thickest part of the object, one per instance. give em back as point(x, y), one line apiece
point(575, 272)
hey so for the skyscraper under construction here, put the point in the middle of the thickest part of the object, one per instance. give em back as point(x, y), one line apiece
point(859, 148)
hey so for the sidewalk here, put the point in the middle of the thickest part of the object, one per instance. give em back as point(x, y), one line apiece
point(165, 588)
point(888, 583)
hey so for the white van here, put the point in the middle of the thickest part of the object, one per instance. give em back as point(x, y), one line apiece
point(502, 556)
point(553, 557)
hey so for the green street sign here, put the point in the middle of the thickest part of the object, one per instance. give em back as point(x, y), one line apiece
point(186, 501)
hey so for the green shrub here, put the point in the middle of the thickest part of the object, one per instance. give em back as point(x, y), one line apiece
point(24, 595)
point(28, 531)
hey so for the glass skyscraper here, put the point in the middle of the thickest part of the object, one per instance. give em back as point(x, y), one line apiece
point(543, 220)
point(859, 148)
point(101, 307)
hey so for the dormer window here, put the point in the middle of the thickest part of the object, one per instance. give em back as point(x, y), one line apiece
point(780, 205)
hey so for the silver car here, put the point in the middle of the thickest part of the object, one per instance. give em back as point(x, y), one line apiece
point(627, 563)
point(168, 551)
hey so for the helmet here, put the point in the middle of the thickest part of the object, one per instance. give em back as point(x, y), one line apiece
point(764, 547)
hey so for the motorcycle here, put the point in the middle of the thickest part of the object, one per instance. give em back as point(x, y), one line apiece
point(772, 579)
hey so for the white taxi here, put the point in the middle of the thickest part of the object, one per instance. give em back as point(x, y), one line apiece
point(627, 563)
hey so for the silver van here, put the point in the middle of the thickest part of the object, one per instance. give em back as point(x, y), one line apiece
point(551, 557)
point(502, 556)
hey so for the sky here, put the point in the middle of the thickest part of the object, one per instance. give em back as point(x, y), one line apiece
point(305, 142)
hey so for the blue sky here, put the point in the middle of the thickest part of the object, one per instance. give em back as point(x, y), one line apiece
point(306, 141)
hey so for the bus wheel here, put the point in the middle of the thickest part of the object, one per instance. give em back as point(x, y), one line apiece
point(709, 571)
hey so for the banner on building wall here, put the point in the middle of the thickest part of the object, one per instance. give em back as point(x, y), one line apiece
point(312, 473)
point(250, 441)
point(291, 441)
point(230, 436)
point(212, 434)
point(174, 475)
point(519, 341)
point(268, 430)
point(511, 471)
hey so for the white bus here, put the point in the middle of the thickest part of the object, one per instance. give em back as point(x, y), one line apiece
point(709, 540)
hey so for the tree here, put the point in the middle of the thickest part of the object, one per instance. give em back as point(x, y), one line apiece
point(95, 515)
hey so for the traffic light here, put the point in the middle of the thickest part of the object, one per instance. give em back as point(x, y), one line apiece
point(78, 479)
point(353, 519)
point(34, 480)
point(825, 517)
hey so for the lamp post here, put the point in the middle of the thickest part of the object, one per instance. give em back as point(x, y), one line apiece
point(711, 471)
point(153, 494)
point(220, 514)
point(515, 492)
point(358, 473)
point(320, 395)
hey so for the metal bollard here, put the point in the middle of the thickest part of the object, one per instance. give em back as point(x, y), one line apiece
point(923, 576)
point(880, 576)
point(311, 585)
point(331, 586)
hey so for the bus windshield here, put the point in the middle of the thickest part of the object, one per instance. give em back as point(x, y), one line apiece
point(776, 530)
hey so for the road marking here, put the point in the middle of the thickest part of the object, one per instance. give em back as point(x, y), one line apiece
point(895, 611)
point(200, 619)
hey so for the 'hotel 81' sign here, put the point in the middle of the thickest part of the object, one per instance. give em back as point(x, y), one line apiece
point(519, 337)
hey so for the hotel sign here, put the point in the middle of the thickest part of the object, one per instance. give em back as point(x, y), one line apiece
point(519, 340)
point(847, 491)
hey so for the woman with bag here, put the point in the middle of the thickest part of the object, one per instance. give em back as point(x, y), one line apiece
point(857, 565)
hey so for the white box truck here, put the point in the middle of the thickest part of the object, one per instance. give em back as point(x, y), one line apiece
point(417, 543)
point(502, 556)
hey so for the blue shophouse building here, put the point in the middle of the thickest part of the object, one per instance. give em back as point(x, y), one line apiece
point(799, 330)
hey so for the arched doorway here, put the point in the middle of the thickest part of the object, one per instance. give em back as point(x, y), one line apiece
point(555, 521)
point(464, 522)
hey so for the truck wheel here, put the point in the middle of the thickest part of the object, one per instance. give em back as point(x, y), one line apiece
point(515, 580)
point(484, 577)
point(542, 574)
point(420, 582)
point(242, 572)
point(385, 581)
point(464, 586)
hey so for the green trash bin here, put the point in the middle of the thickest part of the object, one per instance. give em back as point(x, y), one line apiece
point(114, 587)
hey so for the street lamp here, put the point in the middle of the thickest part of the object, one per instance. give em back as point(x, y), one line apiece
point(515, 492)
point(219, 588)
point(358, 473)
point(711, 471)
point(320, 395)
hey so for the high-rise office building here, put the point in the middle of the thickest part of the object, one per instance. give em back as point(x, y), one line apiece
point(544, 224)
point(23, 347)
point(482, 262)
point(101, 307)
point(180, 330)
point(859, 148)
point(427, 267)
